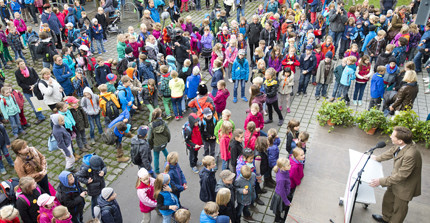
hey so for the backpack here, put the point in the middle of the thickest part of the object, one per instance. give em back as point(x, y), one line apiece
point(109, 137)
point(135, 155)
point(8, 196)
point(36, 89)
point(4, 101)
point(98, 211)
point(26, 199)
point(111, 110)
point(91, 63)
point(71, 19)
point(204, 122)
point(115, 3)
point(186, 127)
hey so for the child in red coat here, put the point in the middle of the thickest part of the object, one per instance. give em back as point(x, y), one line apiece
point(250, 136)
point(225, 134)
point(145, 192)
point(256, 117)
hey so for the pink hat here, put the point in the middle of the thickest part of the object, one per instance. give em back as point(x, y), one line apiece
point(71, 100)
point(45, 199)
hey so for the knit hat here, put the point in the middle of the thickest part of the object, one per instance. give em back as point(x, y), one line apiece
point(202, 89)
point(241, 52)
point(111, 77)
point(196, 70)
point(142, 131)
point(142, 173)
point(79, 70)
point(107, 192)
point(8, 212)
point(71, 100)
point(390, 12)
point(309, 47)
point(227, 175)
point(329, 54)
point(392, 59)
point(129, 72)
point(128, 50)
point(207, 112)
point(96, 162)
point(45, 199)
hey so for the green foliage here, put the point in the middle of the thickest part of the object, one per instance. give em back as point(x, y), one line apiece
point(337, 112)
point(371, 119)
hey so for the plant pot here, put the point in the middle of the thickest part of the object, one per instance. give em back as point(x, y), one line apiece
point(330, 123)
point(371, 131)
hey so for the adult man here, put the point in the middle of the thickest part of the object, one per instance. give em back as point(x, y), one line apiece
point(337, 18)
point(405, 180)
point(387, 5)
point(54, 24)
point(181, 48)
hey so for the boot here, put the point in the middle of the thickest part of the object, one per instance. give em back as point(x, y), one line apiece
point(259, 202)
point(268, 183)
point(88, 147)
point(77, 156)
point(123, 159)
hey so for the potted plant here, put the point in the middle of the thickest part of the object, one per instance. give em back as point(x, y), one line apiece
point(410, 119)
point(371, 120)
point(335, 113)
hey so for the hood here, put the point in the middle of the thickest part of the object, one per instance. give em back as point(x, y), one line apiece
point(88, 90)
point(352, 66)
point(54, 118)
point(145, 83)
point(102, 202)
point(120, 86)
point(159, 55)
point(137, 140)
point(63, 179)
point(170, 59)
point(413, 84)
point(158, 126)
point(193, 119)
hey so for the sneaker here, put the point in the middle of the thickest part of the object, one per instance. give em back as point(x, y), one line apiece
point(181, 117)
point(105, 51)
point(360, 103)
point(426, 81)
point(280, 108)
point(305, 94)
point(245, 99)
point(177, 118)
point(427, 91)
point(331, 99)
point(169, 117)
point(195, 170)
point(230, 80)
point(123, 159)
point(317, 98)
point(88, 147)
point(298, 94)
point(259, 202)
point(288, 110)
point(265, 113)
point(281, 122)
point(354, 102)
point(92, 141)
point(314, 83)
point(199, 163)
point(77, 156)
point(234, 100)
point(268, 121)
point(3, 171)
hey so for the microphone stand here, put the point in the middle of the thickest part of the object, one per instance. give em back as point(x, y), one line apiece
point(357, 181)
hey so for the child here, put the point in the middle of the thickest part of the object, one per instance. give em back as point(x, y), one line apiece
point(302, 139)
point(173, 11)
point(272, 153)
point(5, 13)
point(165, 90)
point(64, 139)
point(149, 95)
point(210, 213)
point(125, 95)
point(217, 75)
point(225, 134)
point(102, 70)
point(283, 185)
point(225, 204)
point(290, 60)
point(97, 34)
point(286, 83)
point(261, 162)
point(19, 98)
point(399, 51)
point(347, 35)
point(348, 75)
point(104, 98)
point(392, 71)
point(230, 57)
point(19, 24)
point(193, 140)
point(110, 210)
point(236, 146)
point(377, 88)
point(121, 129)
point(61, 214)
point(292, 134)
point(376, 45)
point(338, 74)
point(384, 58)
point(245, 186)
point(81, 120)
point(296, 172)
point(158, 137)
point(72, 195)
point(327, 45)
point(324, 77)
point(90, 104)
point(275, 59)
point(207, 129)
point(251, 133)
point(111, 80)
point(271, 86)
point(80, 82)
point(362, 77)
point(101, 18)
point(207, 180)
point(47, 204)
point(240, 74)
point(193, 82)
point(308, 63)
point(14, 41)
point(177, 177)
point(143, 156)
point(92, 173)
point(145, 192)
point(167, 202)
point(182, 216)
point(4, 145)
point(177, 88)
point(353, 52)
point(11, 111)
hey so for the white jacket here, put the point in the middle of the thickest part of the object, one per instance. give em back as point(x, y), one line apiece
point(51, 93)
point(229, 2)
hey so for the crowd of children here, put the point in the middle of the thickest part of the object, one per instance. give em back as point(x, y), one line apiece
point(285, 41)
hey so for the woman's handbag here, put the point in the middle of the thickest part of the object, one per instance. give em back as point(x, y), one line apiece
point(52, 143)
point(206, 52)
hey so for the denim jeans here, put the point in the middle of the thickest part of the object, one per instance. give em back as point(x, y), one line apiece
point(94, 119)
point(242, 90)
point(344, 45)
point(157, 159)
point(336, 90)
point(262, 133)
point(176, 105)
point(47, 64)
point(198, 5)
point(359, 91)
point(167, 218)
point(18, 53)
point(15, 124)
point(214, 91)
point(39, 115)
point(5, 153)
point(225, 164)
point(303, 83)
point(93, 204)
point(81, 139)
point(345, 90)
point(321, 88)
point(100, 46)
point(240, 10)
point(242, 208)
point(417, 61)
point(336, 37)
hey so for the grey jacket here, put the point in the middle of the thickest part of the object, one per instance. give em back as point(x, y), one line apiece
point(239, 184)
point(90, 109)
point(337, 21)
point(320, 73)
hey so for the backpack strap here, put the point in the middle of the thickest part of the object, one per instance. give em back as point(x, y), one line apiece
point(25, 199)
point(197, 100)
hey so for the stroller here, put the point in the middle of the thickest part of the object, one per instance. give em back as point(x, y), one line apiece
point(113, 20)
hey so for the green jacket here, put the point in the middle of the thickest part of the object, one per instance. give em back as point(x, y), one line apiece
point(8, 106)
point(110, 88)
point(120, 48)
point(158, 135)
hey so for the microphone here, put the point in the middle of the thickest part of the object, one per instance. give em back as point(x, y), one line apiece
point(378, 145)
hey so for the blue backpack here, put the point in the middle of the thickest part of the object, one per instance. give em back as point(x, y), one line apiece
point(72, 20)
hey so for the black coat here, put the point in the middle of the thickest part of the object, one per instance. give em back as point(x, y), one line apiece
point(236, 149)
point(71, 198)
point(268, 36)
point(383, 59)
point(207, 185)
point(29, 213)
point(253, 33)
point(80, 117)
point(180, 52)
point(207, 129)
point(102, 20)
point(26, 82)
point(95, 187)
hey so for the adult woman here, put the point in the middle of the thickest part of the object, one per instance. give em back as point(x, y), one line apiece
point(408, 92)
point(63, 74)
point(30, 162)
point(206, 42)
point(51, 90)
point(158, 137)
point(28, 209)
point(26, 78)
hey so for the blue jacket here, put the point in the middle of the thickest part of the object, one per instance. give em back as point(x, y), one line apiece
point(63, 138)
point(97, 32)
point(4, 139)
point(155, 15)
point(369, 37)
point(63, 74)
point(4, 12)
point(207, 185)
point(110, 211)
point(72, 35)
point(52, 21)
point(124, 115)
point(217, 76)
point(349, 31)
point(169, 199)
point(240, 71)
point(177, 177)
point(101, 73)
point(273, 152)
point(29, 2)
point(125, 96)
point(205, 218)
point(348, 75)
point(15, 6)
point(193, 82)
point(377, 86)
point(309, 64)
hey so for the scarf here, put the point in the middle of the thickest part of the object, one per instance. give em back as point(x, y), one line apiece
point(29, 159)
point(298, 161)
point(69, 121)
point(25, 72)
point(391, 70)
point(241, 61)
point(185, 69)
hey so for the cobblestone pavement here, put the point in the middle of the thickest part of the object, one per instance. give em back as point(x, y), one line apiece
point(302, 108)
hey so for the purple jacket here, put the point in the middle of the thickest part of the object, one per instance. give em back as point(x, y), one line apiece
point(283, 185)
point(189, 27)
point(206, 41)
point(414, 40)
point(276, 64)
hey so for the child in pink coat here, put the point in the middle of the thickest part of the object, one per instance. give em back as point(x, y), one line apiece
point(46, 204)
point(19, 23)
point(296, 171)
point(220, 99)
point(256, 117)
point(225, 134)
point(145, 192)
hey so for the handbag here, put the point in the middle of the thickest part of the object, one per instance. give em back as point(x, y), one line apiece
point(38, 105)
point(52, 143)
point(206, 52)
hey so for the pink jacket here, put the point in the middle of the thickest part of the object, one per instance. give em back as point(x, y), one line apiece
point(135, 47)
point(251, 143)
point(156, 33)
point(258, 119)
point(147, 203)
point(20, 25)
point(46, 214)
point(230, 56)
point(296, 172)
point(68, 220)
point(61, 17)
point(220, 100)
point(224, 142)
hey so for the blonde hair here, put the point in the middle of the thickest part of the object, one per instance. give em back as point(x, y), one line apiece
point(223, 197)
point(410, 76)
point(297, 151)
point(208, 160)
point(102, 87)
point(59, 212)
point(174, 74)
point(246, 171)
point(258, 81)
point(221, 82)
point(226, 128)
point(158, 184)
point(255, 107)
point(281, 163)
point(120, 37)
point(172, 159)
point(382, 33)
point(352, 59)
point(271, 135)
point(182, 215)
point(226, 112)
point(261, 61)
point(390, 47)
point(211, 208)
point(404, 29)
point(187, 62)
point(5, 90)
point(380, 69)
point(303, 137)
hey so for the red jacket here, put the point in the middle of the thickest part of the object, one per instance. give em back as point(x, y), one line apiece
point(15, 220)
point(251, 143)
point(147, 203)
point(293, 66)
point(258, 119)
point(220, 100)
point(296, 172)
point(224, 142)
